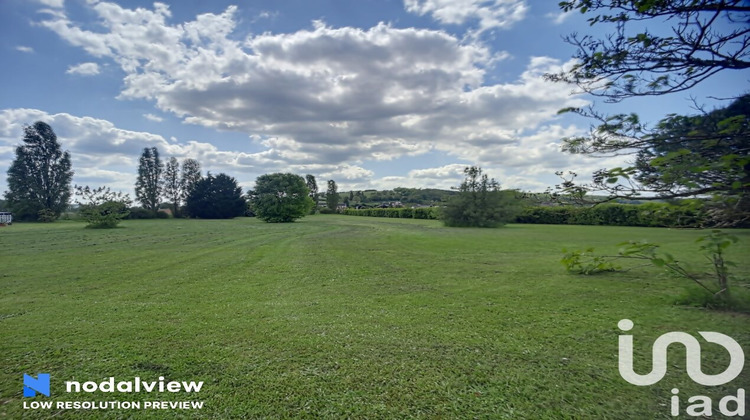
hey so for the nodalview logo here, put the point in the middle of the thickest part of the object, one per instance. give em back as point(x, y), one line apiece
point(41, 385)
point(32, 386)
point(703, 404)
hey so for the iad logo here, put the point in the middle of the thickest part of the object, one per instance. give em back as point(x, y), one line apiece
point(703, 404)
point(693, 363)
point(33, 385)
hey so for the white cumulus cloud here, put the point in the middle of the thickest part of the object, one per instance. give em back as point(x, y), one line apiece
point(152, 117)
point(487, 14)
point(58, 4)
point(84, 69)
point(327, 100)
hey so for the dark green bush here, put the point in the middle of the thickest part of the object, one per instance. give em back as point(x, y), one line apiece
point(217, 197)
point(140, 213)
point(430, 213)
point(46, 216)
point(106, 215)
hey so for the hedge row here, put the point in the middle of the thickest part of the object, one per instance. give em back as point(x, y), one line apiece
point(404, 213)
point(650, 215)
point(141, 213)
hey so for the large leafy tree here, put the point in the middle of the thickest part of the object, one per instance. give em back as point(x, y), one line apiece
point(216, 197)
point(699, 154)
point(173, 186)
point(479, 202)
point(280, 198)
point(332, 195)
point(696, 40)
point(148, 186)
point(39, 177)
point(683, 156)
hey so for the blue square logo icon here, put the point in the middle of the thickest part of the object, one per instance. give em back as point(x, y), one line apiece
point(38, 385)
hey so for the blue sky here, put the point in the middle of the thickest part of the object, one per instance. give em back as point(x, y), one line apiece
point(370, 93)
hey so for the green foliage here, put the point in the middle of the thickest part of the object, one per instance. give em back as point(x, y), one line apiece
point(135, 213)
point(426, 213)
point(332, 195)
point(479, 203)
point(684, 155)
point(408, 196)
point(697, 40)
point(149, 184)
point(215, 197)
point(39, 177)
point(280, 198)
point(713, 246)
point(687, 214)
point(46, 216)
point(396, 213)
point(312, 186)
point(585, 262)
point(699, 297)
point(191, 174)
point(100, 207)
point(702, 154)
point(106, 215)
point(173, 184)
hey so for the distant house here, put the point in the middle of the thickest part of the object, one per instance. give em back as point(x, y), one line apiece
point(6, 218)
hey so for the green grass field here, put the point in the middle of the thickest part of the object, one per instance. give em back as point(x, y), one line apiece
point(336, 317)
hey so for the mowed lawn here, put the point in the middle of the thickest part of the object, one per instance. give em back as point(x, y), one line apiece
point(341, 316)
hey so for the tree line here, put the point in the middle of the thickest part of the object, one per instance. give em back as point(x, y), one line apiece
point(40, 178)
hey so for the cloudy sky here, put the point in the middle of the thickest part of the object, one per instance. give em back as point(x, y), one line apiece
point(370, 93)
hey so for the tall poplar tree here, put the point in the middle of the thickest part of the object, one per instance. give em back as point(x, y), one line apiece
point(148, 186)
point(173, 186)
point(332, 195)
point(191, 174)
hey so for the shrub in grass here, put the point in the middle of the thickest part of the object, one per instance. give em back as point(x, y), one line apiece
point(100, 207)
point(106, 215)
point(715, 286)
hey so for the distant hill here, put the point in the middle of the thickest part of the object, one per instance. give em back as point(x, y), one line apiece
point(406, 196)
